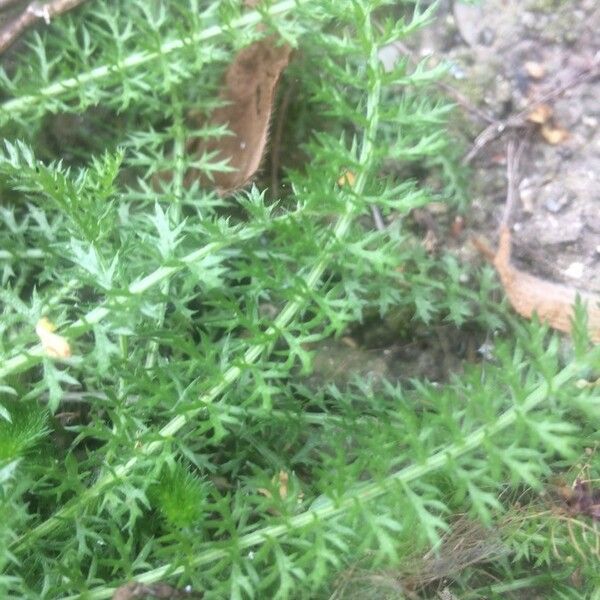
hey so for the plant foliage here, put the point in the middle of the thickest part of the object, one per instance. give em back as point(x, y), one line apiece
point(156, 451)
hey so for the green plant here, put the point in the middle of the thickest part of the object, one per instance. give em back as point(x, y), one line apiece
point(191, 318)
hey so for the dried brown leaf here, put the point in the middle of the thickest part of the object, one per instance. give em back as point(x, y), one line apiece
point(54, 345)
point(247, 94)
point(540, 114)
point(554, 134)
point(552, 302)
point(282, 478)
point(347, 178)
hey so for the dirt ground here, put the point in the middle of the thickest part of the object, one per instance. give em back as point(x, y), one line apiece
point(504, 55)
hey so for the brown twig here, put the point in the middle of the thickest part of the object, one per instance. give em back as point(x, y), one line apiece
point(34, 12)
point(513, 160)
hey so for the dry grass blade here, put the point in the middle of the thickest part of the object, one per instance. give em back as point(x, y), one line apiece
point(467, 543)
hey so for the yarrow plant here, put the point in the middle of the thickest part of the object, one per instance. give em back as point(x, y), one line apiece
point(179, 438)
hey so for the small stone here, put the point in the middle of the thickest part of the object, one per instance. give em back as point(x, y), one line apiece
point(528, 191)
point(554, 230)
point(528, 19)
point(557, 203)
point(575, 270)
point(486, 350)
point(534, 69)
point(592, 217)
point(503, 90)
point(456, 71)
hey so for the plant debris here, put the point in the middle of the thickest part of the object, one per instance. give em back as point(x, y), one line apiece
point(161, 591)
point(53, 344)
point(581, 499)
point(466, 543)
point(248, 93)
point(529, 295)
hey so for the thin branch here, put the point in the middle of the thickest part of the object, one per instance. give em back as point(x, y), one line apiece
point(497, 128)
point(514, 153)
point(34, 12)
point(377, 217)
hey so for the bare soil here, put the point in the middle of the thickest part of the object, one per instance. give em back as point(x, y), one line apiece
point(504, 55)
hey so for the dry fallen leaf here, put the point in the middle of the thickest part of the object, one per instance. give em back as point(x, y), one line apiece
point(554, 134)
point(534, 69)
point(346, 178)
point(54, 345)
point(529, 295)
point(283, 479)
point(248, 93)
point(540, 114)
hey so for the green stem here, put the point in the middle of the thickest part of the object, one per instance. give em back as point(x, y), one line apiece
point(34, 355)
point(22, 103)
point(366, 492)
point(175, 212)
point(284, 318)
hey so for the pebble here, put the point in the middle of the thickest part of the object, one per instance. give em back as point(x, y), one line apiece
point(575, 270)
point(557, 203)
point(456, 71)
point(528, 19)
point(528, 192)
